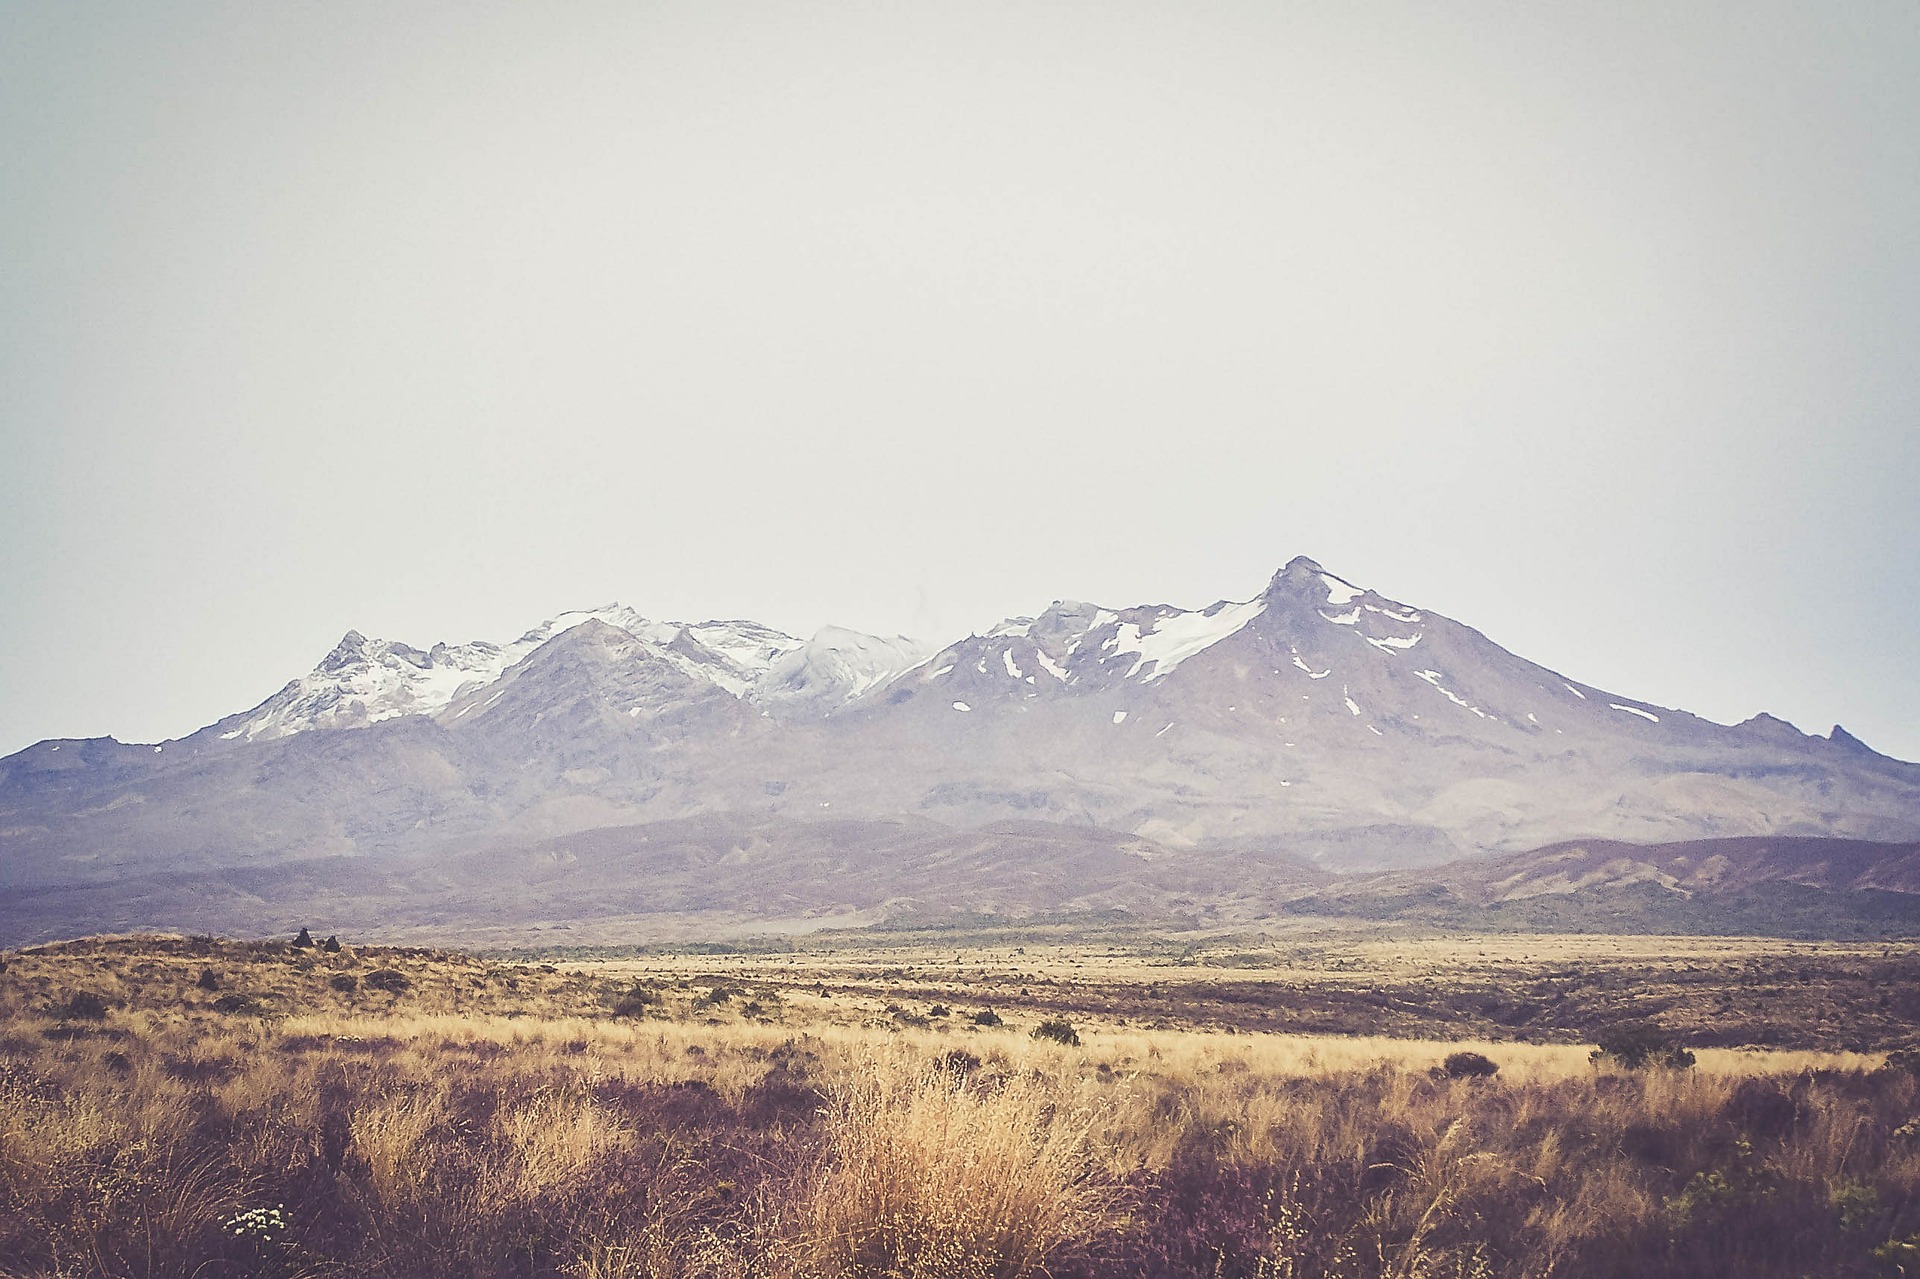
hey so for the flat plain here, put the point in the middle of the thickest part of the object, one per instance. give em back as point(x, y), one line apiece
point(1713, 991)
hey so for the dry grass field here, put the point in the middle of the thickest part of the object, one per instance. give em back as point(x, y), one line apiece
point(1717, 991)
point(928, 1107)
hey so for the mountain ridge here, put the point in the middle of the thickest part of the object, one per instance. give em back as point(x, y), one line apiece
point(1318, 720)
point(1787, 886)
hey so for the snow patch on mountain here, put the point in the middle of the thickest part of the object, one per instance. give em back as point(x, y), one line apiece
point(748, 651)
point(836, 666)
point(1340, 592)
point(1434, 678)
point(1171, 640)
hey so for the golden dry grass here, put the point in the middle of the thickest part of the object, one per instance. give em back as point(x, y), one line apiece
point(929, 1177)
point(494, 1121)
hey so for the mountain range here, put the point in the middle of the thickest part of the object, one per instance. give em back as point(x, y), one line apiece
point(613, 770)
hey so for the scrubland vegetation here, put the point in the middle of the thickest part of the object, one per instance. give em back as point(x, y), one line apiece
point(192, 1108)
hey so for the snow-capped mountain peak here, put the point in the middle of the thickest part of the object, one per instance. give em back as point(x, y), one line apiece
point(363, 681)
point(1318, 716)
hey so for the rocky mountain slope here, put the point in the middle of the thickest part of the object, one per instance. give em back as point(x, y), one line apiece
point(1317, 723)
point(1784, 886)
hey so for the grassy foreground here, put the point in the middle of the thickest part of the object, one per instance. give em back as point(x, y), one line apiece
point(192, 1108)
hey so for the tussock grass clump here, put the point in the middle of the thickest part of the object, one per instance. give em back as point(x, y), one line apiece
point(389, 1138)
point(929, 1180)
point(556, 1140)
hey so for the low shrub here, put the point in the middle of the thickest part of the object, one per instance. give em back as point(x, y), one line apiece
point(635, 1000)
point(1640, 1045)
point(82, 1005)
point(1467, 1065)
point(1059, 1030)
point(957, 1062)
point(391, 980)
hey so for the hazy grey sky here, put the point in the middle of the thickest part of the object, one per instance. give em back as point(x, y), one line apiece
point(1593, 326)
